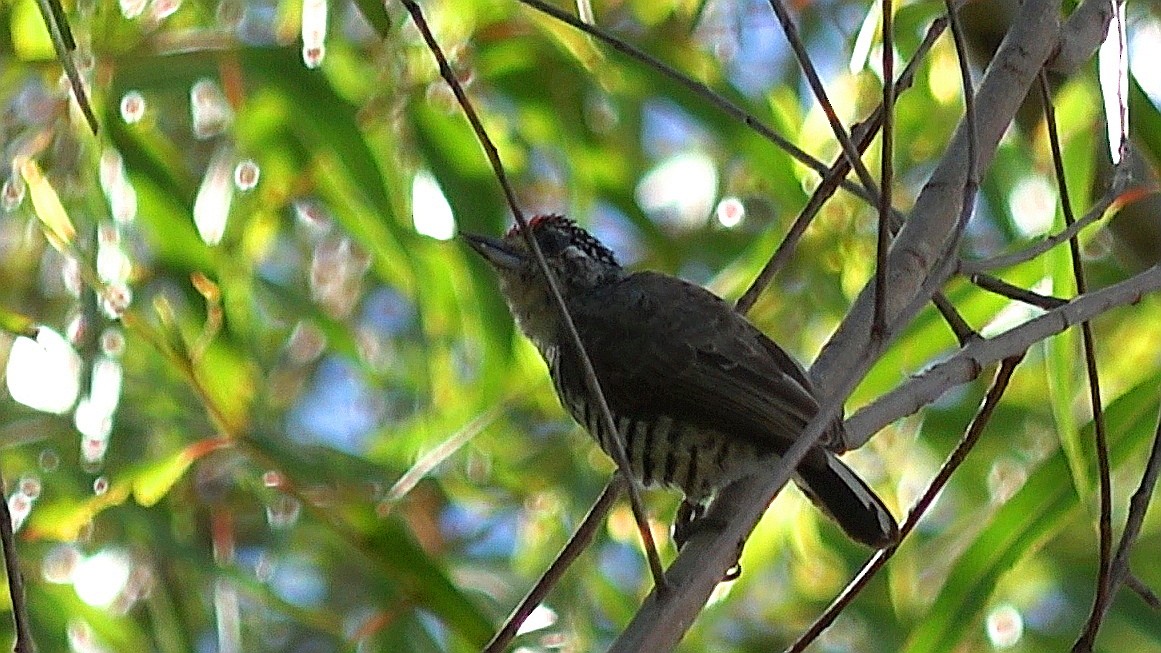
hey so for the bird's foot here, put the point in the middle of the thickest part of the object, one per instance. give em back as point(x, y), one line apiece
point(690, 520)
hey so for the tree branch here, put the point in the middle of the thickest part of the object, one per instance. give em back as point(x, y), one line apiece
point(966, 364)
point(1119, 570)
point(571, 551)
point(918, 248)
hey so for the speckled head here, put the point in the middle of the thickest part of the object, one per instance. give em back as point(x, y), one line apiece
point(556, 233)
point(579, 262)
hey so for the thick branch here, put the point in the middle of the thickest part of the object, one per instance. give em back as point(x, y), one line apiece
point(918, 248)
point(1081, 35)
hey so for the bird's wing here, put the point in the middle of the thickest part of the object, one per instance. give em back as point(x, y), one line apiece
point(673, 348)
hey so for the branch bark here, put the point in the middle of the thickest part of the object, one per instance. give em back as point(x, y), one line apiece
point(922, 242)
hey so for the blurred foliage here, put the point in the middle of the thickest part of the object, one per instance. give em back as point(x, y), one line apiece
point(278, 374)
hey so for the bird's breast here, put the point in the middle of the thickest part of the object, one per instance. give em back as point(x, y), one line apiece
point(661, 450)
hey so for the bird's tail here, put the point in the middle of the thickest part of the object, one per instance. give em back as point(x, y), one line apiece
point(839, 492)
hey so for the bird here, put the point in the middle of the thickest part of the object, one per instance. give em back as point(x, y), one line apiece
point(700, 397)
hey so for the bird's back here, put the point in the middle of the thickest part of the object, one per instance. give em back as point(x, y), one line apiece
point(673, 356)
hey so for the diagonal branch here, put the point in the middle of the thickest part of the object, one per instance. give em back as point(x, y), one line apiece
point(807, 66)
point(1005, 289)
point(1120, 574)
point(575, 546)
point(62, 41)
point(1120, 183)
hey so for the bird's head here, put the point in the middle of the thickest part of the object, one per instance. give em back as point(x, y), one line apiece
point(579, 261)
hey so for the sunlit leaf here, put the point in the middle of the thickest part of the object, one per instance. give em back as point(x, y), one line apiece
point(153, 481)
point(17, 324)
point(48, 207)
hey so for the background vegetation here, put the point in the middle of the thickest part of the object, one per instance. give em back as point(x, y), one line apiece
point(241, 473)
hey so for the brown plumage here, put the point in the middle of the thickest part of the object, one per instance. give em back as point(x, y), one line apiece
point(699, 395)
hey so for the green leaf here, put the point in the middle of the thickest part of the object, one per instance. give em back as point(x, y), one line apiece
point(376, 14)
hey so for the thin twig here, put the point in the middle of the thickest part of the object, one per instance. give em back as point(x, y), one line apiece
point(1142, 590)
point(886, 170)
point(591, 382)
point(24, 642)
point(790, 30)
point(880, 558)
point(1119, 570)
point(1138, 506)
point(947, 261)
point(64, 44)
point(571, 551)
point(1105, 527)
point(969, 100)
point(1005, 289)
point(830, 182)
point(964, 333)
point(972, 184)
point(1120, 182)
point(56, 11)
point(703, 91)
point(966, 364)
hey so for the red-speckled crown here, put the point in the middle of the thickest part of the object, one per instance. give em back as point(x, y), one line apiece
point(556, 232)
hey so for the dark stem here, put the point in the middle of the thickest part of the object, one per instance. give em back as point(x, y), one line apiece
point(1005, 289)
point(24, 642)
point(64, 45)
point(812, 79)
point(1119, 572)
point(1121, 181)
point(886, 172)
point(1104, 580)
point(1142, 590)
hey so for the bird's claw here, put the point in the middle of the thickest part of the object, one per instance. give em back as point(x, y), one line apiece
point(691, 519)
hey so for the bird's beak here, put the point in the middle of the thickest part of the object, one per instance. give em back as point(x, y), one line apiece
point(497, 252)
